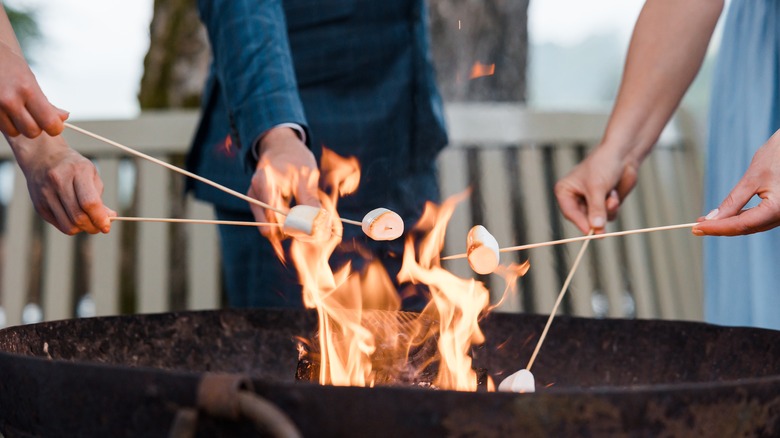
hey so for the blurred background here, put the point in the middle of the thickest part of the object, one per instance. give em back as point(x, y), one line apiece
point(111, 60)
point(554, 54)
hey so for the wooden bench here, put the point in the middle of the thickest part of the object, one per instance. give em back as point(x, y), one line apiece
point(510, 156)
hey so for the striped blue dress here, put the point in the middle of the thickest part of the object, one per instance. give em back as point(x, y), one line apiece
point(742, 274)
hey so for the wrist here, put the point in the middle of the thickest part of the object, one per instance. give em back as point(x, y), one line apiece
point(278, 135)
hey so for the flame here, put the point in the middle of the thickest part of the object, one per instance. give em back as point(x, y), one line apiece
point(479, 70)
point(364, 338)
point(342, 175)
point(510, 274)
point(226, 147)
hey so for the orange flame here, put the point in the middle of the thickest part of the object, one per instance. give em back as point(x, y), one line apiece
point(341, 175)
point(364, 339)
point(226, 147)
point(479, 70)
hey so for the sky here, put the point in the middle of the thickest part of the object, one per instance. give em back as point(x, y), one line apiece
point(91, 58)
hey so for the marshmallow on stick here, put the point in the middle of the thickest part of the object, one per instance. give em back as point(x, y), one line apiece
point(307, 223)
point(521, 381)
point(383, 224)
point(482, 250)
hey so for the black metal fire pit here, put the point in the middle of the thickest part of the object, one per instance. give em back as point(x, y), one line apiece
point(137, 375)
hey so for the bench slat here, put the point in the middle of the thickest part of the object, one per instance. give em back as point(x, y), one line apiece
point(18, 242)
point(105, 273)
point(153, 239)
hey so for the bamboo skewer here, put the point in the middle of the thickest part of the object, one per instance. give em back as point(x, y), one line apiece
point(580, 238)
point(188, 173)
point(558, 301)
point(194, 221)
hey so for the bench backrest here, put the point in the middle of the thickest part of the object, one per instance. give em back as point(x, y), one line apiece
point(509, 155)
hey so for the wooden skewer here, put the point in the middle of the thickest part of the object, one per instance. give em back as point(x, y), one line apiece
point(188, 173)
point(579, 239)
point(558, 301)
point(194, 221)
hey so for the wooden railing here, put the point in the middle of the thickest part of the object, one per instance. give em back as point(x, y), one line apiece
point(508, 155)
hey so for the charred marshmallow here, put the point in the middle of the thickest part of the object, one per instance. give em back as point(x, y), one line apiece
point(482, 250)
point(521, 381)
point(307, 223)
point(383, 224)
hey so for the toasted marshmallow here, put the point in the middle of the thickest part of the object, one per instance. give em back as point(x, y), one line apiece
point(482, 250)
point(383, 224)
point(307, 223)
point(521, 381)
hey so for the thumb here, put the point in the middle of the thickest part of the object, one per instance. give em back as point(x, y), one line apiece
point(63, 114)
point(597, 213)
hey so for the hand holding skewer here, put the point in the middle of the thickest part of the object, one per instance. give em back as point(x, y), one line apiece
point(579, 239)
point(389, 227)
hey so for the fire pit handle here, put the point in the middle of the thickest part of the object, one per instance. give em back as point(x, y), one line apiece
point(230, 396)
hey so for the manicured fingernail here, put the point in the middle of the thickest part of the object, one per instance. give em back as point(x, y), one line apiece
point(712, 214)
point(597, 222)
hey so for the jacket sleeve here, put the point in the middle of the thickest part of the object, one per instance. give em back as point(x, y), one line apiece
point(253, 65)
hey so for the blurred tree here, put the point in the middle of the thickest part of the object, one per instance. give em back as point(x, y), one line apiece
point(465, 34)
point(176, 64)
point(480, 49)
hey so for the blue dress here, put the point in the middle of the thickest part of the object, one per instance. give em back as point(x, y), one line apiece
point(742, 274)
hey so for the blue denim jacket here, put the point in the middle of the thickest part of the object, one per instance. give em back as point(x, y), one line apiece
point(356, 74)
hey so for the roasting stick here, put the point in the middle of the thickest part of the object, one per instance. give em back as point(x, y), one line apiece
point(194, 221)
point(188, 173)
point(558, 301)
point(587, 237)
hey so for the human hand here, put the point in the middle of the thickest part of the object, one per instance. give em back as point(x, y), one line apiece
point(23, 107)
point(592, 192)
point(286, 170)
point(762, 178)
point(64, 186)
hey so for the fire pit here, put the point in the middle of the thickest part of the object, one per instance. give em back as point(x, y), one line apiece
point(132, 375)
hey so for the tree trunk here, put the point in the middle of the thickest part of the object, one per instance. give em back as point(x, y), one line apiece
point(480, 49)
point(177, 62)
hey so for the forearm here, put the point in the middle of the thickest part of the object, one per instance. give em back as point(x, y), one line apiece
point(254, 65)
point(666, 51)
point(7, 35)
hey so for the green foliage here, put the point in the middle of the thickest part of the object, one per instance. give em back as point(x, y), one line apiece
point(25, 26)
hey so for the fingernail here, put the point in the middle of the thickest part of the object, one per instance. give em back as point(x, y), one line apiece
point(712, 214)
point(697, 232)
point(597, 222)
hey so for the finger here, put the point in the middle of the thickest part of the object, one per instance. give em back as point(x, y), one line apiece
point(739, 196)
point(763, 217)
point(58, 215)
point(7, 126)
point(573, 208)
point(261, 214)
point(92, 215)
point(612, 204)
point(46, 115)
point(306, 191)
point(597, 211)
point(25, 124)
point(63, 114)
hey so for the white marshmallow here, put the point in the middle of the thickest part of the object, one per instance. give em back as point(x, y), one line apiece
point(307, 223)
point(521, 381)
point(482, 250)
point(383, 224)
